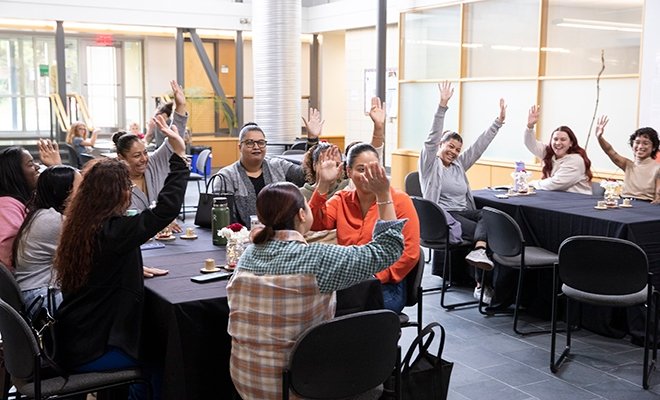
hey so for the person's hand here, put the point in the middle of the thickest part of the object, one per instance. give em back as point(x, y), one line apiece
point(502, 115)
point(328, 170)
point(314, 124)
point(49, 152)
point(150, 272)
point(377, 112)
point(96, 132)
point(330, 153)
point(375, 180)
point(174, 227)
point(600, 125)
point(446, 91)
point(179, 97)
point(176, 141)
point(533, 116)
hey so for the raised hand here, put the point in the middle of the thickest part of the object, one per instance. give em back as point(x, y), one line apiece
point(49, 152)
point(375, 180)
point(533, 116)
point(314, 125)
point(179, 97)
point(502, 115)
point(377, 111)
point(600, 125)
point(172, 133)
point(446, 91)
point(328, 167)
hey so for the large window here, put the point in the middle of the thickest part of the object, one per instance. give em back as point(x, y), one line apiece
point(545, 52)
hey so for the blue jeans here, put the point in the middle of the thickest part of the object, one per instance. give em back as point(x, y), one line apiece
point(394, 296)
point(115, 359)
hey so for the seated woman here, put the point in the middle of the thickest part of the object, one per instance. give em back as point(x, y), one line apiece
point(254, 170)
point(642, 176)
point(355, 212)
point(36, 241)
point(566, 166)
point(99, 262)
point(18, 179)
point(77, 137)
point(300, 279)
point(442, 166)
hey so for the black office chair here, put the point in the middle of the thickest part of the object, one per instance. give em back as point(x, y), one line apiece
point(597, 190)
point(506, 241)
point(434, 234)
point(299, 144)
point(604, 271)
point(414, 188)
point(23, 360)
point(345, 356)
point(11, 294)
point(200, 165)
point(414, 294)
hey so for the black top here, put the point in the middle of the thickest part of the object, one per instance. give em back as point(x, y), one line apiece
point(107, 311)
point(258, 183)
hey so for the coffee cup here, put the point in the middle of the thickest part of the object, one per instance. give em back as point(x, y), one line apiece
point(626, 202)
point(209, 264)
point(601, 204)
point(190, 232)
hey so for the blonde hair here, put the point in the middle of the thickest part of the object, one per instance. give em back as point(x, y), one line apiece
point(73, 131)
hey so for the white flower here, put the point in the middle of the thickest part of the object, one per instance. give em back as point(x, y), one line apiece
point(242, 236)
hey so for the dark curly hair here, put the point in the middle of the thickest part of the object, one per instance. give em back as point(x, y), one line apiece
point(651, 134)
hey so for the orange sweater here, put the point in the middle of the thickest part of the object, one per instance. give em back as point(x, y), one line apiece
point(343, 212)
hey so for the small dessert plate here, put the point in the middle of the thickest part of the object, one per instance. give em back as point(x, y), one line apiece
point(208, 271)
point(228, 268)
point(626, 205)
point(600, 208)
point(166, 238)
point(188, 237)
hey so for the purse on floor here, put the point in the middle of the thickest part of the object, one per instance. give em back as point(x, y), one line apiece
point(427, 376)
point(204, 214)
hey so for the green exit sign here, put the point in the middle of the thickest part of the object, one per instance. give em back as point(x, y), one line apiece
point(43, 69)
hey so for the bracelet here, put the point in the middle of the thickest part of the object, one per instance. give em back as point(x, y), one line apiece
point(382, 203)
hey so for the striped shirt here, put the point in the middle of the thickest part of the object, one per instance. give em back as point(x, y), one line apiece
point(285, 286)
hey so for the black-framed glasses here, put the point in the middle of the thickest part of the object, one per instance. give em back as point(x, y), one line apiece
point(251, 143)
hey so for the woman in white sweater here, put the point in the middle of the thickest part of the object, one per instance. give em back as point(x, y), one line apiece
point(566, 166)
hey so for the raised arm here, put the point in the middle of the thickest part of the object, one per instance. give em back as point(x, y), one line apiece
point(377, 115)
point(314, 127)
point(375, 179)
point(173, 137)
point(179, 98)
point(92, 140)
point(535, 146)
point(49, 152)
point(617, 159)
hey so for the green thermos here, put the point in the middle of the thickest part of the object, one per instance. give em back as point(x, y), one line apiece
point(220, 220)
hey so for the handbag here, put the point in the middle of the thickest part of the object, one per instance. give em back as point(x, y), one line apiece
point(204, 214)
point(427, 376)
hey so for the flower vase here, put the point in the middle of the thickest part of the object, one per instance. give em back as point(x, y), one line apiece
point(235, 249)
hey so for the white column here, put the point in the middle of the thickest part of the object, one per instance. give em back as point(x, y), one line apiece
point(649, 83)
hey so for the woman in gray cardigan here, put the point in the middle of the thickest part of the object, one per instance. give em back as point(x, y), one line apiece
point(442, 176)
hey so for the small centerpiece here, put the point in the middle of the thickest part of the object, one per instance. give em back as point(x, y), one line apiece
point(613, 190)
point(520, 177)
point(237, 237)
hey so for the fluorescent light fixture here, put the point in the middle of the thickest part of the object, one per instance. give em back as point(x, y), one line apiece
point(473, 45)
point(598, 25)
point(555, 50)
point(505, 47)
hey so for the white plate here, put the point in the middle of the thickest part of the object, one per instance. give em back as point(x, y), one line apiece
point(166, 238)
point(600, 208)
point(208, 271)
point(188, 237)
point(626, 205)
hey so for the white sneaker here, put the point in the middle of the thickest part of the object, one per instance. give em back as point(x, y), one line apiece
point(478, 258)
point(477, 293)
point(488, 294)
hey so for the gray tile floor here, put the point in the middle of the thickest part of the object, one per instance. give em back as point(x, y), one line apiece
point(491, 362)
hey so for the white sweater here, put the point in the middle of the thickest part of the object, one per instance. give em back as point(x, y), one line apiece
point(568, 173)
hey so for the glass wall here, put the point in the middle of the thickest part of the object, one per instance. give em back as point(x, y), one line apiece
point(545, 52)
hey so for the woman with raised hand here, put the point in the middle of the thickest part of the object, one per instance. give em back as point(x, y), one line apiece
point(300, 278)
point(642, 174)
point(77, 137)
point(99, 262)
point(36, 241)
point(355, 212)
point(566, 166)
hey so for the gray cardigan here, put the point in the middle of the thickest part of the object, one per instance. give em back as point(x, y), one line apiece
point(431, 169)
point(233, 179)
point(158, 167)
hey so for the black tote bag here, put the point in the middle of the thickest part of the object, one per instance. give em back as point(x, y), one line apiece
point(204, 214)
point(427, 376)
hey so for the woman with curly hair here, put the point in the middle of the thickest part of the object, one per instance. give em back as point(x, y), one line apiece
point(566, 166)
point(99, 263)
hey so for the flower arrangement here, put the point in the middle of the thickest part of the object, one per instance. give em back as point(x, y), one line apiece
point(235, 232)
point(615, 187)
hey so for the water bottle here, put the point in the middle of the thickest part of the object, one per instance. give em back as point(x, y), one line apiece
point(220, 220)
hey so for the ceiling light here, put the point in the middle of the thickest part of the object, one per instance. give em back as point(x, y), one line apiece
point(599, 25)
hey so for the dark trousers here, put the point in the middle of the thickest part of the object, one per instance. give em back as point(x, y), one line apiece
point(474, 228)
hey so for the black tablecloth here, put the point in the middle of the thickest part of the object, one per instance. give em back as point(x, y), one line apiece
point(185, 325)
point(547, 218)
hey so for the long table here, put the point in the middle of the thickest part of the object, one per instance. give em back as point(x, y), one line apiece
point(185, 326)
point(547, 218)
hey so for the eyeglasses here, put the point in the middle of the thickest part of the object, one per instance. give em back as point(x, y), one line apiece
point(251, 143)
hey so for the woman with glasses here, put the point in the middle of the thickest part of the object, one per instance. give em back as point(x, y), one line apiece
point(254, 170)
point(642, 175)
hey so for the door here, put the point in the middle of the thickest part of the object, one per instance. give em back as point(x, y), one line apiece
point(101, 77)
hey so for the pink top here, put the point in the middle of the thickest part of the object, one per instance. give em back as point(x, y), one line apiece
point(12, 214)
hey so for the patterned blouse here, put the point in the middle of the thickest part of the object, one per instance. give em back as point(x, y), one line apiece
point(283, 287)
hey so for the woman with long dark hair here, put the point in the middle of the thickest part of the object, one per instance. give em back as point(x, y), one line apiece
point(99, 262)
point(36, 241)
point(566, 166)
point(282, 285)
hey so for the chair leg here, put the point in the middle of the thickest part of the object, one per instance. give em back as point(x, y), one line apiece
point(285, 385)
point(647, 335)
point(445, 286)
point(554, 366)
point(426, 261)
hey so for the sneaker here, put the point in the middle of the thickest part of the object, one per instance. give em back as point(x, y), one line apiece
point(488, 294)
point(477, 293)
point(478, 258)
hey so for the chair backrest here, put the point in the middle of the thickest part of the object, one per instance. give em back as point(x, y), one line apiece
point(504, 235)
point(293, 151)
point(432, 222)
point(19, 344)
point(414, 281)
point(299, 145)
point(10, 292)
point(412, 185)
point(202, 158)
point(345, 356)
point(602, 265)
point(69, 155)
point(596, 189)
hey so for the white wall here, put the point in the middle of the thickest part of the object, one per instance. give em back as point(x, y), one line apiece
point(332, 78)
point(159, 68)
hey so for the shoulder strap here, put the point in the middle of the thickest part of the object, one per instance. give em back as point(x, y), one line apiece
point(209, 184)
point(424, 345)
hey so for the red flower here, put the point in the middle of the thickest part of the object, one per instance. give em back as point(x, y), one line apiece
point(235, 227)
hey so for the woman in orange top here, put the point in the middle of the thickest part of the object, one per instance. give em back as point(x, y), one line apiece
point(354, 214)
